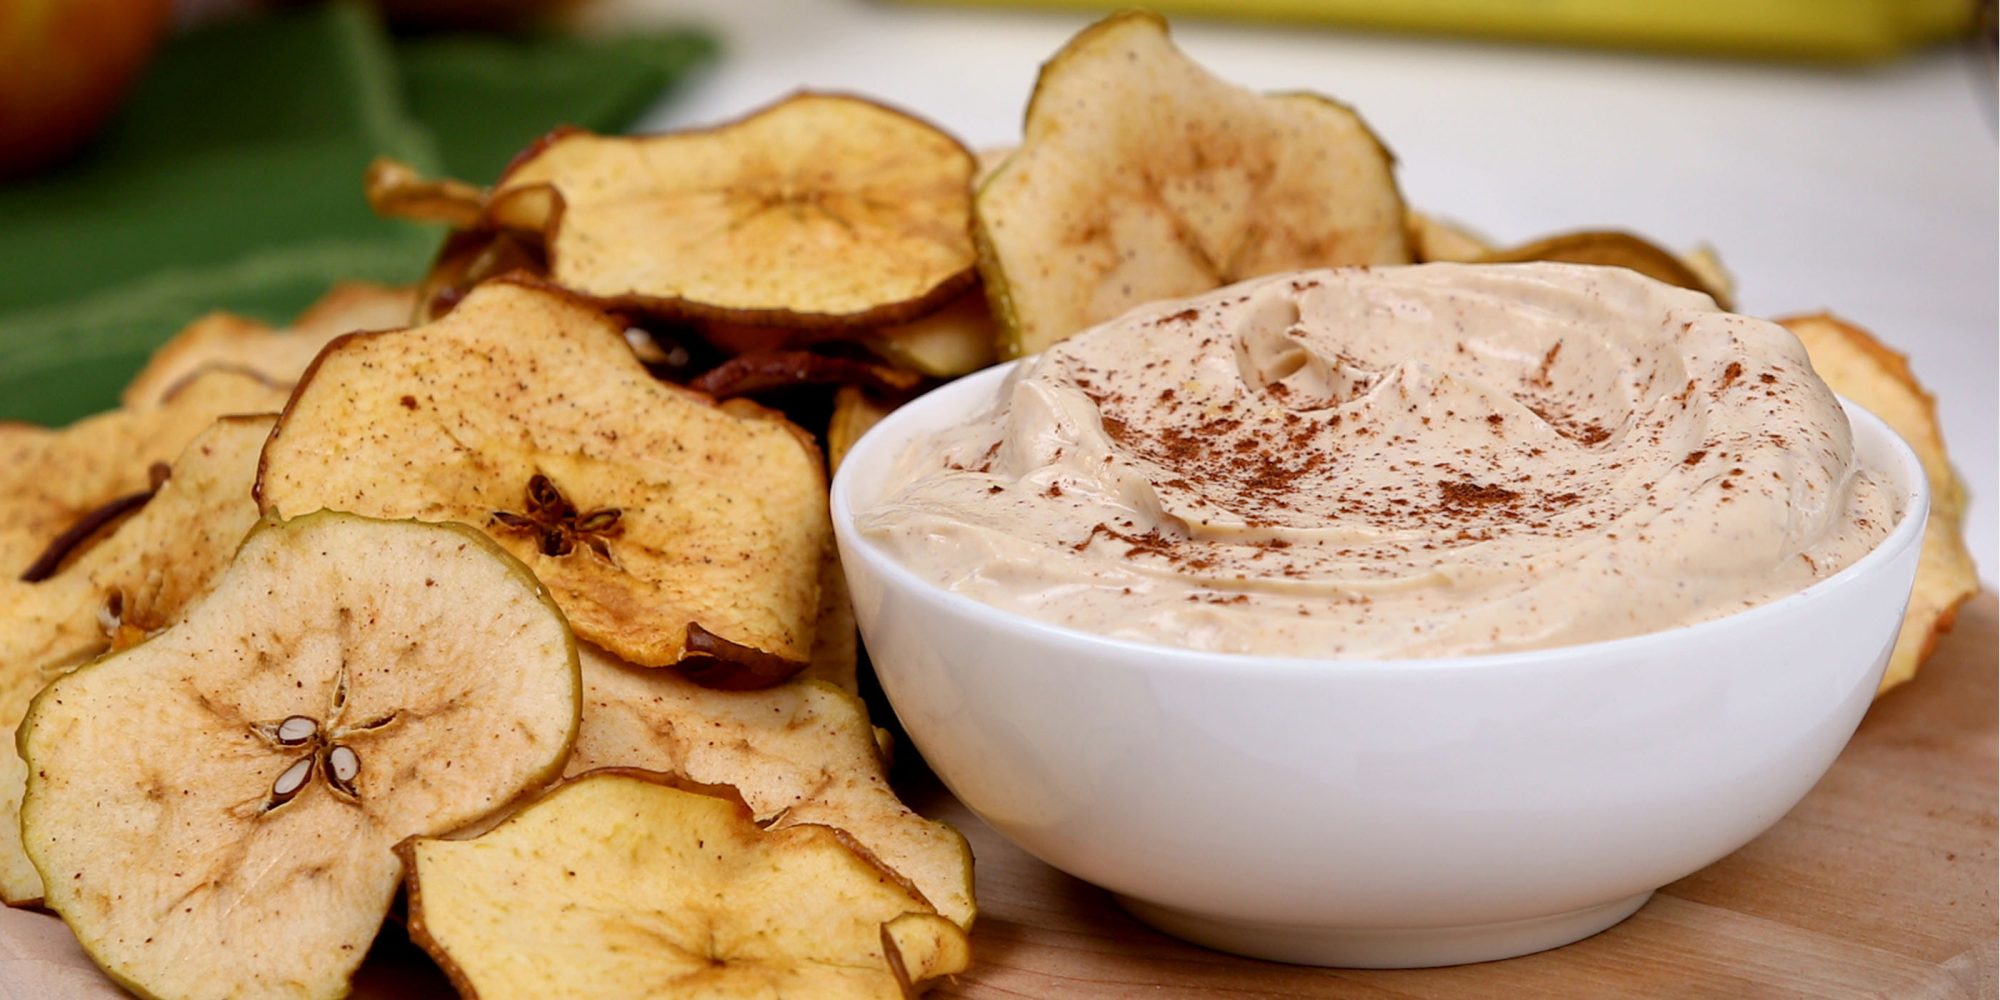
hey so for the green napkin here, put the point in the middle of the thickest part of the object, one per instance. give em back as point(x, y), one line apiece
point(232, 180)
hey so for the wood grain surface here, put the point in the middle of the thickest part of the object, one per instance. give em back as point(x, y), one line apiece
point(1882, 883)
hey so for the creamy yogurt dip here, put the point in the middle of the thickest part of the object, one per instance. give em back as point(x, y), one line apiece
point(1398, 462)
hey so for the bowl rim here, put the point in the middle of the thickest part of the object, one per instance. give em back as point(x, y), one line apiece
point(1907, 532)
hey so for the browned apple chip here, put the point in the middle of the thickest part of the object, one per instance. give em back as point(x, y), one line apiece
point(50, 479)
point(820, 210)
point(746, 374)
point(627, 884)
point(1143, 177)
point(803, 752)
point(470, 256)
point(139, 578)
point(1863, 369)
point(215, 810)
point(670, 529)
point(224, 340)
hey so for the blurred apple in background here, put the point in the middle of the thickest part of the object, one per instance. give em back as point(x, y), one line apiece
point(64, 67)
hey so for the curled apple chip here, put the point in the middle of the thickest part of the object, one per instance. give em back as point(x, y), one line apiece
point(670, 529)
point(1863, 369)
point(214, 811)
point(819, 210)
point(137, 579)
point(1141, 176)
point(626, 884)
point(396, 190)
point(50, 479)
point(225, 340)
point(802, 752)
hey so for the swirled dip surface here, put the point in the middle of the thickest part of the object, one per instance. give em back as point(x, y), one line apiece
point(1419, 461)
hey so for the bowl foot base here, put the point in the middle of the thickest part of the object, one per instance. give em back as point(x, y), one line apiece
point(1410, 948)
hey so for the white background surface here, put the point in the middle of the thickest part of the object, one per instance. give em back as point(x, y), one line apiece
point(1869, 192)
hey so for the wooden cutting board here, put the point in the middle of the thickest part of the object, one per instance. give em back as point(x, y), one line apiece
point(1882, 883)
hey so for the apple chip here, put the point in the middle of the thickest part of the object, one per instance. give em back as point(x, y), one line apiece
point(836, 638)
point(138, 578)
point(470, 256)
point(670, 529)
point(225, 340)
point(395, 190)
point(1615, 249)
point(1143, 177)
point(956, 340)
point(854, 411)
point(1863, 369)
point(802, 752)
point(626, 884)
point(1433, 238)
point(52, 478)
point(214, 810)
point(763, 371)
point(820, 210)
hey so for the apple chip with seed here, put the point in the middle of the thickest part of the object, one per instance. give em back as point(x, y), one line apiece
point(1856, 365)
point(225, 340)
point(214, 811)
point(1141, 176)
point(802, 752)
point(820, 210)
point(52, 478)
point(671, 530)
point(113, 590)
point(628, 884)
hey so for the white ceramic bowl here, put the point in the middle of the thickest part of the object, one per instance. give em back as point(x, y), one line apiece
point(1376, 813)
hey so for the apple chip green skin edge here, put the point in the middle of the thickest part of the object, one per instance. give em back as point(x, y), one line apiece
point(273, 522)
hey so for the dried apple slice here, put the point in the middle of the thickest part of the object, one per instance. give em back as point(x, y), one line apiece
point(836, 638)
point(627, 884)
point(1863, 369)
point(225, 340)
point(819, 210)
point(802, 752)
point(747, 374)
point(396, 190)
point(1433, 238)
point(854, 411)
point(214, 810)
point(956, 340)
point(138, 578)
point(51, 478)
point(1143, 177)
point(671, 530)
point(1613, 249)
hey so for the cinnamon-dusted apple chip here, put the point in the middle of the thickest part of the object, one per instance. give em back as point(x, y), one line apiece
point(138, 578)
point(956, 340)
point(279, 356)
point(802, 752)
point(214, 811)
point(52, 478)
point(1141, 176)
point(819, 210)
point(1858, 366)
point(670, 529)
point(854, 411)
point(623, 884)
